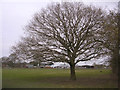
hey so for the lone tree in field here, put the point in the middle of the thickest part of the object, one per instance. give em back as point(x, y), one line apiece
point(66, 32)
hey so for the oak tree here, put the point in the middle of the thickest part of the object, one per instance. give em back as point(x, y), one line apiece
point(67, 32)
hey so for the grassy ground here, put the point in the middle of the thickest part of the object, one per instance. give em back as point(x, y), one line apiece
point(57, 78)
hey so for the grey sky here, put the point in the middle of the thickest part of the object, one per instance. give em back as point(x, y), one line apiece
point(15, 15)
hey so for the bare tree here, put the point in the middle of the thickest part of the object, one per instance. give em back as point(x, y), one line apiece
point(28, 49)
point(67, 32)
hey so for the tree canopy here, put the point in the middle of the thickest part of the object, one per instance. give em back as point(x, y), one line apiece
point(66, 32)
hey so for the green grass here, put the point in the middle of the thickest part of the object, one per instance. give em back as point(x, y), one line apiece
point(57, 78)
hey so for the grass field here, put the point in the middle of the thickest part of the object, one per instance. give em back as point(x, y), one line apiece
point(57, 78)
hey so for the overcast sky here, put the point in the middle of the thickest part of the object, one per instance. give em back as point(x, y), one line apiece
point(15, 14)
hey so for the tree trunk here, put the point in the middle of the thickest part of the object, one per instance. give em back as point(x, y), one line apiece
point(72, 72)
point(114, 62)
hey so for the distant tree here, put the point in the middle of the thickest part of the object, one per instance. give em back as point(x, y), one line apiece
point(7, 61)
point(4, 59)
point(34, 63)
point(13, 57)
point(66, 32)
point(10, 64)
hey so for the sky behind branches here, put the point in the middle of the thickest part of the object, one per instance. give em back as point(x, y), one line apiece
point(16, 14)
